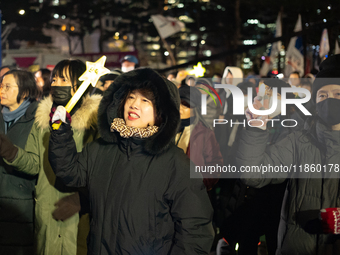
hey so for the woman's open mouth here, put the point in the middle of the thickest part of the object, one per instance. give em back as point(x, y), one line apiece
point(133, 116)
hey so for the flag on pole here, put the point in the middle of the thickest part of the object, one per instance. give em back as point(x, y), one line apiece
point(324, 44)
point(274, 50)
point(337, 49)
point(294, 54)
point(166, 26)
point(276, 47)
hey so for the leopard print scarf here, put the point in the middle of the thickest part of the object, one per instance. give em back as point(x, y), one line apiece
point(118, 125)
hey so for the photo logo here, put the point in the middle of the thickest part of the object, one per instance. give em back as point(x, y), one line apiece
point(238, 102)
point(204, 97)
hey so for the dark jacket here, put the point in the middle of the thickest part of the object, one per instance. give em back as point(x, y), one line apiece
point(16, 193)
point(306, 193)
point(142, 198)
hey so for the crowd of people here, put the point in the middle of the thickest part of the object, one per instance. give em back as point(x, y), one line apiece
point(119, 176)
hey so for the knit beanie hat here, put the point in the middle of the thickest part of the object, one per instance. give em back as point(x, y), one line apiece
point(329, 74)
point(190, 95)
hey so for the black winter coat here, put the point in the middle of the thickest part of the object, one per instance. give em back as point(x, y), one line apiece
point(16, 193)
point(300, 230)
point(142, 198)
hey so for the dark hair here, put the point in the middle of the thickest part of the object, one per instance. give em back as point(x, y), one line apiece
point(183, 83)
point(109, 77)
point(173, 73)
point(75, 68)
point(26, 84)
point(8, 67)
point(46, 76)
point(146, 92)
point(306, 82)
point(296, 72)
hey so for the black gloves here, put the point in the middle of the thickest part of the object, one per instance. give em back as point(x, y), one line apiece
point(8, 150)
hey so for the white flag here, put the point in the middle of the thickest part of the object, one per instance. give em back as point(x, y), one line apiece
point(274, 51)
point(324, 44)
point(166, 26)
point(294, 56)
point(337, 49)
point(276, 47)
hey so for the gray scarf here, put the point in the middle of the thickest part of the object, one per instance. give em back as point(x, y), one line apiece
point(11, 117)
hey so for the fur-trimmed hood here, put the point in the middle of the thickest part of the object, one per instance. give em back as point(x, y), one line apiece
point(167, 103)
point(84, 118)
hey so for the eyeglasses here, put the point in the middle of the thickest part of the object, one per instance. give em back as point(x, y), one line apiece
point(6, 87)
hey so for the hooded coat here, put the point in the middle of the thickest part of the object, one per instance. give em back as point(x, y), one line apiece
point(299, 230)
point(54, 237)
point(16, 193)
point(142, 199)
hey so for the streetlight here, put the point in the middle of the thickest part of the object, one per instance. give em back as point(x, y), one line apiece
point(22, 12)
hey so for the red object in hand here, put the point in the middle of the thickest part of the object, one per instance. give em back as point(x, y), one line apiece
point(330, 218)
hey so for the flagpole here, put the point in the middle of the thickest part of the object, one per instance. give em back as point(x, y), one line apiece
point(167, 26)
point(172, 56)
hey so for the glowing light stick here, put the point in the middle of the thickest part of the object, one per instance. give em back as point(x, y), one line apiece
point(198, 70)
point(91, 76)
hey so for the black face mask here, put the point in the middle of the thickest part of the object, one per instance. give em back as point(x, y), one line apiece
point(329, 111)
point(61, 94)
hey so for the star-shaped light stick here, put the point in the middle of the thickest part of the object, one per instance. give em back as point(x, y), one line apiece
point(90, 76)
point(198, 70)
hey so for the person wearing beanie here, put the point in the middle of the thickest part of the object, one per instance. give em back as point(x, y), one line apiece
point(310, 216)
point(195, 137)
